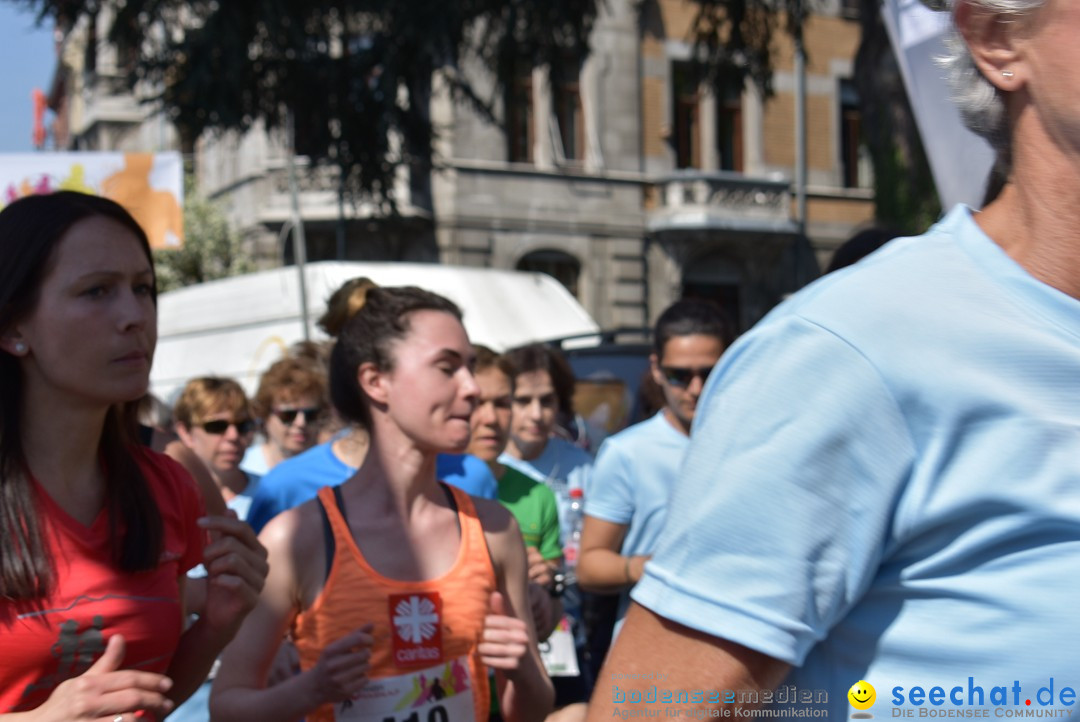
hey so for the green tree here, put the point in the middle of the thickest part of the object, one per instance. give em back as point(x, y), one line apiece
point(904, 192)
point(357, 74)
point(211, 249)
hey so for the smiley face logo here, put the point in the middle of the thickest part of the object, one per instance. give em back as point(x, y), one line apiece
point(862, 695)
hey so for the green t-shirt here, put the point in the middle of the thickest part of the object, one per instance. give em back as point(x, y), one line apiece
point(533, 505)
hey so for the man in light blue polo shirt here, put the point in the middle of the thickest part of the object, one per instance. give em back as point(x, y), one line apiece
point(636, 469)
point(883, 484)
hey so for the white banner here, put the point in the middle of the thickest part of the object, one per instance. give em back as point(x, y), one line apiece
point(959, 159)
point(149, 185)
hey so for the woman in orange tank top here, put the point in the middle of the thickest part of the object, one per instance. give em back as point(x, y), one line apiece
point(398, 591)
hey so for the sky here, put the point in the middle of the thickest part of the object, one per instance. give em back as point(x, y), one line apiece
point(27, 61)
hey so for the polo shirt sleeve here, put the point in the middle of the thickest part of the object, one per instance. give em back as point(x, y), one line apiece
point(783, 509)
point(550, 544)
point(611, 492)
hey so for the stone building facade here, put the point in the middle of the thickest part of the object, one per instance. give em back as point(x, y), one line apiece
point(632, 183)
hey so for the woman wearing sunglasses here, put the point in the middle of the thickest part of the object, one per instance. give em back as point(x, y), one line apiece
point(398, 590)
point(213, 419)
point(97, 531)
point(289, 404)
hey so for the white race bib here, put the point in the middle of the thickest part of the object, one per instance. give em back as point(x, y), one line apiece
point(442, 693)
point(558, 652)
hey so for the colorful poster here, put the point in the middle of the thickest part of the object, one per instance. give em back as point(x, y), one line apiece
point(149, 185)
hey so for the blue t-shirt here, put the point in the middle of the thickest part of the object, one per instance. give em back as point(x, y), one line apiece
point(631, 483)
point(469, 473)
point(883, 481)
point(298, 479)
point(562, 467)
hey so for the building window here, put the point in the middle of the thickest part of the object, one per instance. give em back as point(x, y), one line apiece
point(520, 126)
point(854, 157)
point(566, 102)
point(563, 267)
point(686, 115)
point(729, 128)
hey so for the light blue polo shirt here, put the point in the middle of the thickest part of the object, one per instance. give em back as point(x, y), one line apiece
point(631, 483)
point(883, 481)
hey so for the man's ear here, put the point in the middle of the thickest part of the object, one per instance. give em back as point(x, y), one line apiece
point(654, 369)
point(992, 40)
point(372, 381)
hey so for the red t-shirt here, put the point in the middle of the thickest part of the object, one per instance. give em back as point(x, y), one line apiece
point(45, 642)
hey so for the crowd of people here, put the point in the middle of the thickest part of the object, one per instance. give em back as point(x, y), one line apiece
point(877, 482)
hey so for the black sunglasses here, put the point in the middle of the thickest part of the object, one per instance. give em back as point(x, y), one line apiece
point(220, 426)
point(288, 416)
point(682, 377)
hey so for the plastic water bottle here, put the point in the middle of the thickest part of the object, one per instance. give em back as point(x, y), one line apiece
point(571, 551)
point(572, 546)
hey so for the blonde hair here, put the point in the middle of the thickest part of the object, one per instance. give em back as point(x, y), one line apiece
point(208, 395)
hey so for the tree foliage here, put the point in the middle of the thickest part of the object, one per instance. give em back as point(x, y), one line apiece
point(904, 191)
point(734, 38)
point(211, 248)
point(355, 73)
point(358, 73)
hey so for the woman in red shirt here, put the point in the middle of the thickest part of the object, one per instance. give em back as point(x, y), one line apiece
point(97, 532)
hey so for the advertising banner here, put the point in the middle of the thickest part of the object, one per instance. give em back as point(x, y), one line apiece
point(959, 159)
point(149, 185)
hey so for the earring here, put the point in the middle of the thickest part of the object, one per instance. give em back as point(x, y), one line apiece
point(1006, 73)
point(20, 347)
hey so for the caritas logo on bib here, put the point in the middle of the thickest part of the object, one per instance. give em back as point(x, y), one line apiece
point(417, 623)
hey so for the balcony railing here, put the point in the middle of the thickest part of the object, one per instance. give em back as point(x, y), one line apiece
point(721, 200)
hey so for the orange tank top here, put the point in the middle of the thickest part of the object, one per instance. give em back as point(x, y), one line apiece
point(424, 665)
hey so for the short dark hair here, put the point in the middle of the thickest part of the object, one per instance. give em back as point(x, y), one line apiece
point(859, 246)
point(488, 359)
point(691, 317)
point(344, 303)
point(367, 338)
point(31, 230)
point(541, 357)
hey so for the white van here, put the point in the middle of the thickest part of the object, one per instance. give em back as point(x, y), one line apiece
point(238, 326)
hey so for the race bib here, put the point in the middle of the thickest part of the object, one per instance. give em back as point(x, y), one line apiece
point(558, 652)
point(441, 693)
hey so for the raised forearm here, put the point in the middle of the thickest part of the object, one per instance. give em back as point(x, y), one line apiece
point(199, 646)
point(527, 696)
point(288, 701)
point(603, 571)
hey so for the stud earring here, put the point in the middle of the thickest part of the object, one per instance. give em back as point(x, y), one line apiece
point(1006, 73)
point(20, 347)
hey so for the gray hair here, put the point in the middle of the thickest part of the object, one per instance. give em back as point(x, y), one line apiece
point(981, 104)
